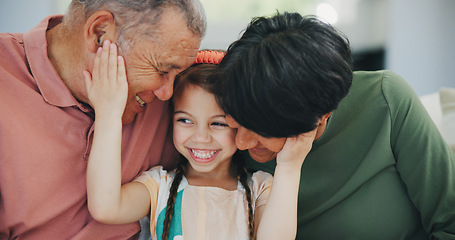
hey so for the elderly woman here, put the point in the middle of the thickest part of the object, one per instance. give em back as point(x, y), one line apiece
point(378, 167)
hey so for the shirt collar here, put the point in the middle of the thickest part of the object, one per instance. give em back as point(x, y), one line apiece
point(53, 89)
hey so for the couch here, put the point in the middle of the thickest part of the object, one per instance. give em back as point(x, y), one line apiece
point(441, 107)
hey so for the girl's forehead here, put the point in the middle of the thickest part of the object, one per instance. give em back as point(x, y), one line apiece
point(193, 94)
point(198, 102)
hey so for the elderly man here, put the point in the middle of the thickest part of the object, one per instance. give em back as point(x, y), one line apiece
point(46, 122)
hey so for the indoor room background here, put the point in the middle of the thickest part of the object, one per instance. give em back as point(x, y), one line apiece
point(414, 38)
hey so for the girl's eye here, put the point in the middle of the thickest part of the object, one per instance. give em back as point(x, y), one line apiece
point(184, 120)
point(219, 124)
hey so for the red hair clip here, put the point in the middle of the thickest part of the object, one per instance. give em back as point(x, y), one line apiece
point(209, 56)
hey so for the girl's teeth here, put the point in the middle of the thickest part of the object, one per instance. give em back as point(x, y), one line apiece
point(203, 154)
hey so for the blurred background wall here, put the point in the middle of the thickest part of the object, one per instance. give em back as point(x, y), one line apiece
point(414, 38)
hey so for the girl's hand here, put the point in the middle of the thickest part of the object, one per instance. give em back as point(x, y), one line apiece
point(107, 87)
point(278, 219)
point(296, 149)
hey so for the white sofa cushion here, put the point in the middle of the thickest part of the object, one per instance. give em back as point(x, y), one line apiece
point(447, 100)
point(432, 104)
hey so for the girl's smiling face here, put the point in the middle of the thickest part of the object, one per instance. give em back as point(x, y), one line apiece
point(201, 133)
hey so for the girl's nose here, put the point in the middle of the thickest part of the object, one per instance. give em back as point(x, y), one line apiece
point(202, 135)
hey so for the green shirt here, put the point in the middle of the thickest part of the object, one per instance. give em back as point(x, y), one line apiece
point(381, 170)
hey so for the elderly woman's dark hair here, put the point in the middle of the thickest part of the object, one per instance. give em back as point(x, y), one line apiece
point(284, 74)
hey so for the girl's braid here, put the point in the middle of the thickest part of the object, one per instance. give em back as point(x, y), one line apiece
point(242, 174)
point(171, 200)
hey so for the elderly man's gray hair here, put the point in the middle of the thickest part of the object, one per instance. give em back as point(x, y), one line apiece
point(134, 18)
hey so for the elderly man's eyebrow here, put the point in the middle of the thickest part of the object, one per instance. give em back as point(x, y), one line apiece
point(166, 67)
point(169, 66)
point(173, 66)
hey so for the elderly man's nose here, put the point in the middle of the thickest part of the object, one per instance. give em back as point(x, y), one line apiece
point(164, 93)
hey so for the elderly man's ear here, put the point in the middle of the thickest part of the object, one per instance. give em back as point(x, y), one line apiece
point(99, 27)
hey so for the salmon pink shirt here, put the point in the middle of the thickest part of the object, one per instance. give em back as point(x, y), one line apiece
point(45, 138)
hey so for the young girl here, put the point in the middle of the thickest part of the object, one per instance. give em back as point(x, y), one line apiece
point(210, 195)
